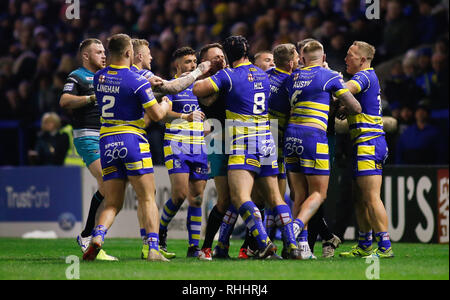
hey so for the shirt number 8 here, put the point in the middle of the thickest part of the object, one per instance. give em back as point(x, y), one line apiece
point(259, 101)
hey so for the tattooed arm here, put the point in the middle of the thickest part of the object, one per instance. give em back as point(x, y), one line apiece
point(175, 86)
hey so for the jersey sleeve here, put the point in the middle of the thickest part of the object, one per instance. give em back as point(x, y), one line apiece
point(221, 80)
point(335, 84)
point(361, 81)
point(144, 93)
point(72, 86)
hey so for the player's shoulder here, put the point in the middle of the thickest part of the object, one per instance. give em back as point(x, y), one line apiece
point(79, 74)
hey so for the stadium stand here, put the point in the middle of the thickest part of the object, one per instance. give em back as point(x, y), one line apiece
point(40, 45)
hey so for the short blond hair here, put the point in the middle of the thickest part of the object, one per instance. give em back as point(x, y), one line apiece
point(53, 117)
point(283, 54)
point(138, 44)
point(311, 48)
point(365, 49)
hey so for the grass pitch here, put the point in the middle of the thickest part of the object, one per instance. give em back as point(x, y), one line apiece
point(46, 259)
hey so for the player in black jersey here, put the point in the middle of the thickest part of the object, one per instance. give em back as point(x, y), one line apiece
point(79, 99)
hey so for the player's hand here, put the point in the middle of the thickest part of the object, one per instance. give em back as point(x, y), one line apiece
point(155, 81)
point(195, 116)
point(92, 98)
point(341, 113)
point(165, 99)
point(325, 65)
point(204, 67)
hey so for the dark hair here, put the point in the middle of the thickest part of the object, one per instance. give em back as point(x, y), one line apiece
point(303, 43)
point(205, 49)
point(183, 51)
point(236, 47)
point(118, 43)
point(86, 43)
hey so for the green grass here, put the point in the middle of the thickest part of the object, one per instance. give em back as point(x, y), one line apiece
point(45, 259)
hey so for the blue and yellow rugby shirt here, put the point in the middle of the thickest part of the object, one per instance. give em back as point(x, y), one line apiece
point(310, 90)
point(122, 96)
point(368, 124)
point(279, 107)
point(185, 102)
point(247, 93)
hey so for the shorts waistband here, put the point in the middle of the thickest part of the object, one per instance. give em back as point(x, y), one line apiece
point(77, 133)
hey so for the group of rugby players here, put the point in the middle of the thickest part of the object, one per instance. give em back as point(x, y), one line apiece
point(219, 115)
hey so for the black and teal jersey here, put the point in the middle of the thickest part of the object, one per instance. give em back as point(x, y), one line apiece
point(80, 83)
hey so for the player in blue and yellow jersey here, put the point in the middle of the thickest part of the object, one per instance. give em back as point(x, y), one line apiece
point(368, 154)
point(252, 156)
point(78, 97)
point(142, 64)
point(123, 96)
point(306, 145)
point(185, 156)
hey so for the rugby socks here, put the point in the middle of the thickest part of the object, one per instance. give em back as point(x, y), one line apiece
point(252, 218)
point(169, 211)
point(384, 242)
point(270, 224)
point(100, 230)
point(303, 236)
point(153, 240)
point(214, 221)
point(365, 240)
point(96, 200)
point(283, 219)
point(143, 235)
point(298, 226)
point(250, 240)
point(194, 225)
point(227, 226)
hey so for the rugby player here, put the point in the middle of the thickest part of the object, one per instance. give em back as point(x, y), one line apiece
point(185, 156)
point(368, 155)
point(122, 96)
point(253, 150)
point(306, 144)
point(78, 97)
point(142, 65)
point(286, 61)
point(317, 224)
point(217, 160)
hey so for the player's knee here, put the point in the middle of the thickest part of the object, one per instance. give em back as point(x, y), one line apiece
point(179, 196)
point(196, 201)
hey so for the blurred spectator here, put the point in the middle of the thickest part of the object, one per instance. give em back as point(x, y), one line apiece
point(398, 36)
point(52, 145)
point(420, 143)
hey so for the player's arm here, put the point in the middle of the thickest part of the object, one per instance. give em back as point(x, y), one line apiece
point(70, 98)
point(69, 101)
point(209, 100)
point(157, 111)
point(350, 103)
point(180, 84)
point(353, 87)
point(203, 89)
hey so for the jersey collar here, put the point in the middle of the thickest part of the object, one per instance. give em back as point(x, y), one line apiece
point(118, 67)
point(282, 71)
point(243, 64)
point(310, 67)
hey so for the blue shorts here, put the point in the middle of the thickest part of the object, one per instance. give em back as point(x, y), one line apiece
point(306, 150)
point(186, 158)
point(88, 148)
point(255, 154)
point(125, 154)
point(368, 157)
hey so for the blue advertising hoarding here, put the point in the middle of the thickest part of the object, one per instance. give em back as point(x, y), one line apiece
point(40, 194)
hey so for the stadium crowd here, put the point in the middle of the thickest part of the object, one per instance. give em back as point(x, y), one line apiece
point(411, 38)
